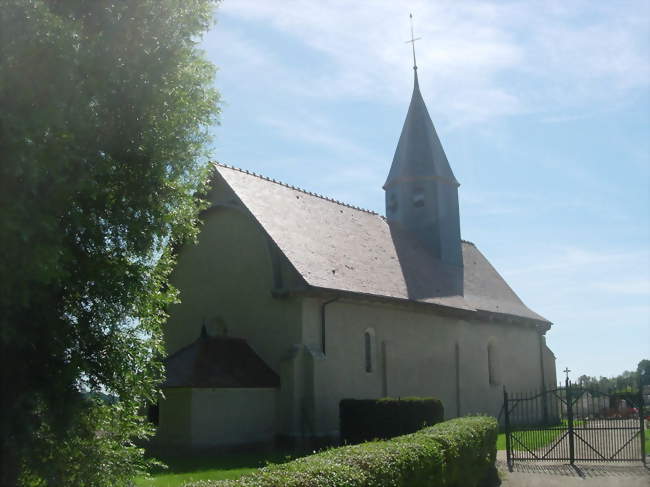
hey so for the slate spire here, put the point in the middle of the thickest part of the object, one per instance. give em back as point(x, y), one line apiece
point(422, 191)
point(419, 153)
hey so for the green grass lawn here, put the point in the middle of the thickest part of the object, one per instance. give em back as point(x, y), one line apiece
point(209, 466)
point(533, 440)
point(536, 439)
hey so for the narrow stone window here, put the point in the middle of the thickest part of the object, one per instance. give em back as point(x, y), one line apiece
point(367, 344)
point(492, 364)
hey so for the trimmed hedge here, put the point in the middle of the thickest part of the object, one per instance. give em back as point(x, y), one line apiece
point(371, 419)
point(457, 453)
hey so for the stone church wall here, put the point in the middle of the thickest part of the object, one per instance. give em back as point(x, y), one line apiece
point(549, 367)
point(225, 282)
point(417, 353)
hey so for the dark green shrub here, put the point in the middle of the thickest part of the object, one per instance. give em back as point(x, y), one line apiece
point(369, 419)
point(469, 446)
point(457, 453)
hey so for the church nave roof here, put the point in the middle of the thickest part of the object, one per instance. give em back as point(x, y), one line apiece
point(339, 247)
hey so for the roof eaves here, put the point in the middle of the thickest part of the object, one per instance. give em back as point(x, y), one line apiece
point(319, 291)
point(467, 312)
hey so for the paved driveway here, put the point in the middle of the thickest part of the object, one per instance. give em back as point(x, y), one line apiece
point(550, 474)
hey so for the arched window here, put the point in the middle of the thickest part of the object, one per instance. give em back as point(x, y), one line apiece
point(368, 339)
point(493, 367)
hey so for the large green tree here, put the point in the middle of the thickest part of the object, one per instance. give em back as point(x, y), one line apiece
point(105, 107)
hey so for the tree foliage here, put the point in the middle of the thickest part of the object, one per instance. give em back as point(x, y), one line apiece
point(104, 113)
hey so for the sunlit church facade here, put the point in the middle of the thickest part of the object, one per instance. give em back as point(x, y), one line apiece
point(292, 301)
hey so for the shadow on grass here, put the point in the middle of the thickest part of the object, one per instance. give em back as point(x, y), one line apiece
point(185, 465)
point(192, 461)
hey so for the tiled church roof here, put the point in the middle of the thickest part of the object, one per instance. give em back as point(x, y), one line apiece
point(339, 247)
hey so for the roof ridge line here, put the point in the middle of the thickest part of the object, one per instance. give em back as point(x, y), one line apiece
point(290, 186)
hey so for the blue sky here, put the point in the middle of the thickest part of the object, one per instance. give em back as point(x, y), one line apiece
point(542, 107)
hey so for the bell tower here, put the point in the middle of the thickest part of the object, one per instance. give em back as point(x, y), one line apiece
point(422, 191)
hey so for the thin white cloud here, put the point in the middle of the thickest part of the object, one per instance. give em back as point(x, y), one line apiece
point(315, 130)
point(346, 180)
point(479, 202)
point(633, 287)
point(597, 299)
point(561, 53)
point(574, 261)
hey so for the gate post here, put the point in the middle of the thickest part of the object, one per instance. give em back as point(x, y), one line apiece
point(642, 422)
point(569, 417)
point(507, 425)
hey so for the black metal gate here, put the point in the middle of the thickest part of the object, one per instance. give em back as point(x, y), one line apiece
point(573, 423)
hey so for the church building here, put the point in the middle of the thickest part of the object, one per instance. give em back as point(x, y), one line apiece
point(292, 301)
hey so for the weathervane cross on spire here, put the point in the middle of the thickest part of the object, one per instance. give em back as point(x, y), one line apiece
point(412, 41)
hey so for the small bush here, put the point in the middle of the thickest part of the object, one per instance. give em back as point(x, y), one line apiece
point(457, 453)
point(369, 419)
